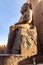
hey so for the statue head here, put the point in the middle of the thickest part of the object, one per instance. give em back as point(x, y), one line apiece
point(25, 7)
point(26, 11)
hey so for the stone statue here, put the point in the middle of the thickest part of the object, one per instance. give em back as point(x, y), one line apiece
point(25, 22)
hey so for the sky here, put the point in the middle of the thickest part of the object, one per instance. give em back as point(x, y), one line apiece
point(9, 14)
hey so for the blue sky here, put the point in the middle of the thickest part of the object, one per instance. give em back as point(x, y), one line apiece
point(9, 14)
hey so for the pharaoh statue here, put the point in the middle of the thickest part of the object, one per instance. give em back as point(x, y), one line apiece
point(25, 21)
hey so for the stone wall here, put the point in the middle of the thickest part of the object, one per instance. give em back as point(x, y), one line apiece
point(37, 6)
